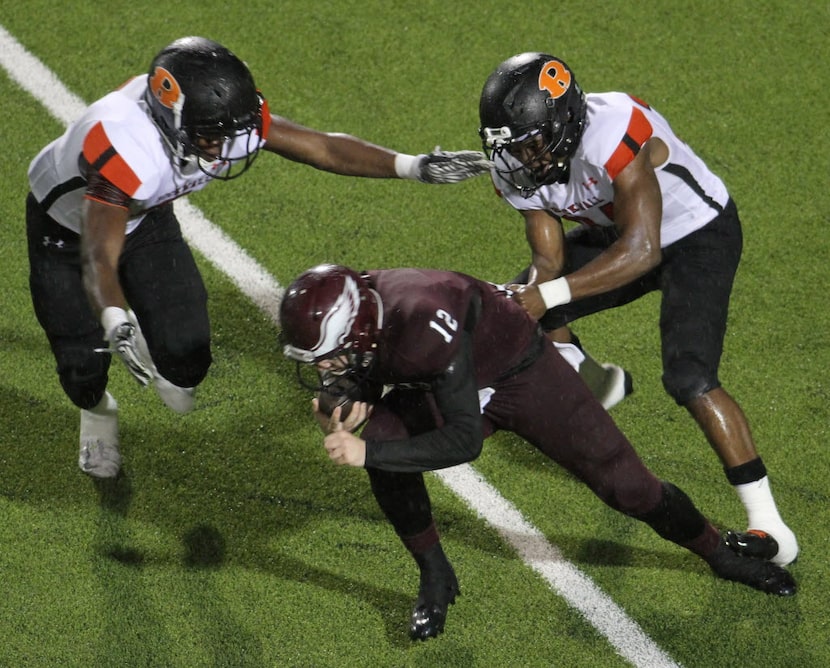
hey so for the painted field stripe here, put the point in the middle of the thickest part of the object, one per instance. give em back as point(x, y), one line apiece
point(565, 579)
point(226, 255)
point(578, 590)
point(38, 80)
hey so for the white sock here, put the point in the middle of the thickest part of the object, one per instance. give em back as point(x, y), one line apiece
point(760, 506)
point(762, 514)
point(107, 406)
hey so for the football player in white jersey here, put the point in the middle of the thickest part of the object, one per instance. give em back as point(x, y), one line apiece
point(109, 270)
point(650, 216)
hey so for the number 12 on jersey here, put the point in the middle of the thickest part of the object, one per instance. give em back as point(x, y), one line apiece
point(446, 325)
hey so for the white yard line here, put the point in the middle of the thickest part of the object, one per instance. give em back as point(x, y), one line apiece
point(623, 633)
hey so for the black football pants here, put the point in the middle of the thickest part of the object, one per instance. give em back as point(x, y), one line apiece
point(695, 278)
point(161, 283)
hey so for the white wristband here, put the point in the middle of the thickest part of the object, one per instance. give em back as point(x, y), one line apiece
point(111, 317)
point(406, 166)
point(556, 292)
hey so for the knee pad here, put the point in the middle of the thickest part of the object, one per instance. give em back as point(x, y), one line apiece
point(686, 380)
point(184, 367)
point(83, 375)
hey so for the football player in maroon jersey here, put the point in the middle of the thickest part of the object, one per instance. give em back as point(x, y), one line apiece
point(457, 360)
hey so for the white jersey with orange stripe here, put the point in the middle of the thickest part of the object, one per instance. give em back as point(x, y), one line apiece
point(116, 136)
point(617, 125)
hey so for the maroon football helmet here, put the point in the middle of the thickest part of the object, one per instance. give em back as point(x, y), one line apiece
point(330, 311)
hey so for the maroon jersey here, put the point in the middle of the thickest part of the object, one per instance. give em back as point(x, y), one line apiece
point(465, 361)
point(425, 310)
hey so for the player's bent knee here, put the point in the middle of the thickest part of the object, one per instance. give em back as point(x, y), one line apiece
point(686, 383)
point(186, 368)
point(84, 385)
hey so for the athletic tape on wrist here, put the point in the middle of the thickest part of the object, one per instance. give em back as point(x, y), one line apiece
point(406, 166)
point(556, 292)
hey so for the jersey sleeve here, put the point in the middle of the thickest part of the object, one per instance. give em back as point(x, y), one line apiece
point(101, 157)
point(117, 167)
point(424, 312)
point(637, 132)
point(457, 441)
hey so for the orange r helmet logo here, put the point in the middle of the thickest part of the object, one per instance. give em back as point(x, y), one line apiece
point(165, 88)
point(555, 78)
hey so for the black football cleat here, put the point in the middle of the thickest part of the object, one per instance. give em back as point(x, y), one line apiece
point(428, 619)
point(752, 543)
point(438, 590)
point(752, 571)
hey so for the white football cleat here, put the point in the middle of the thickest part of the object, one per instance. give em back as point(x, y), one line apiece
point(141, 344)
point(762, 544)
point(99, 455)
point(787, 544)
point(618, 386)
point(609, 383)
point(765, 522)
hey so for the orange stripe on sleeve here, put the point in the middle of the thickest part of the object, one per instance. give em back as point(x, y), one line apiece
point(638, 132)
point(102, 156)
point(96, 143)
point(642, 103)
point(266, 118)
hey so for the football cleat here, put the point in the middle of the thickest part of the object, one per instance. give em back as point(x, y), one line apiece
point(99, 455)
point(619, 384)
point(430, 612)
point(752, 543)
point(763, 544)
point(438, 590)
point(178, 399)
point(99, 459)
point(609, 383)
point(729, 564)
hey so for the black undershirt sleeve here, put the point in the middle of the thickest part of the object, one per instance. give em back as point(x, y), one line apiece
point(458, 441)
point(100, 189)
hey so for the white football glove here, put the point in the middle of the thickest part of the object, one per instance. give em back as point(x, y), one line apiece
point(452, 166)
point(122, 340)
point(442, 166)
point(121, 334)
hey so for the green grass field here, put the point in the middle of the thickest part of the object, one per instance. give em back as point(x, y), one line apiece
point(231, 540)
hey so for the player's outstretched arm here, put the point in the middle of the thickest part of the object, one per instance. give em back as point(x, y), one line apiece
point(351, 156)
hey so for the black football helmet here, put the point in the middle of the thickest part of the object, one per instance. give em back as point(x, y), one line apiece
point(330, 311)
point(532, 108)
point(201, 95)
